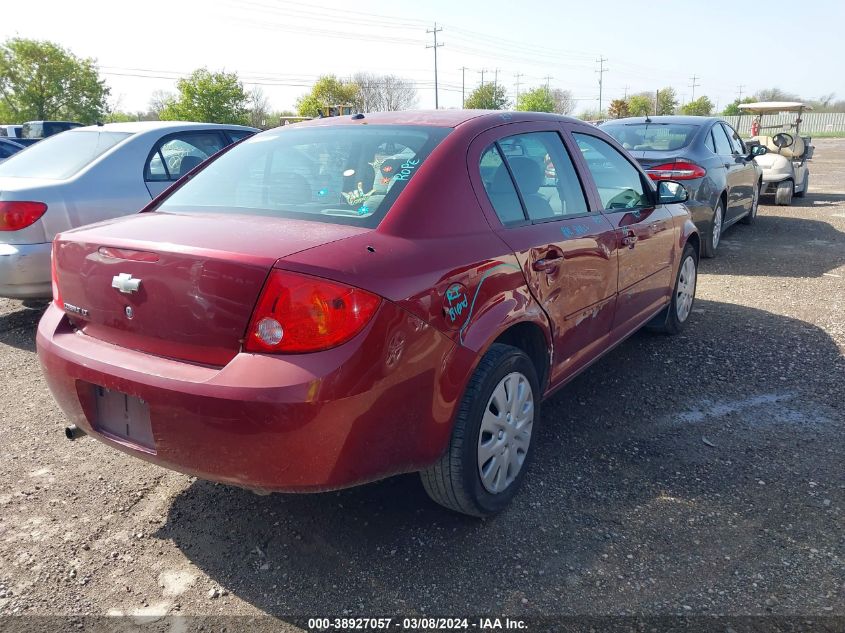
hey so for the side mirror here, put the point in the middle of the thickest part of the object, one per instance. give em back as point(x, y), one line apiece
point(671, 192)
point(759, 150)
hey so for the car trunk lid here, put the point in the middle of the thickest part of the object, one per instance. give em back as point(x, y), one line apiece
point(177, 285)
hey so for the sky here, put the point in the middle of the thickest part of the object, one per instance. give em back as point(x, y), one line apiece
point(282, 46)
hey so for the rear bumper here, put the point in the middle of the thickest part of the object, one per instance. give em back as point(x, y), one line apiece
point(379, 405)
point(25, 271)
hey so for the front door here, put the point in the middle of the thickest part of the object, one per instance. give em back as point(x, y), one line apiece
point(645, 232)
point(568, 253)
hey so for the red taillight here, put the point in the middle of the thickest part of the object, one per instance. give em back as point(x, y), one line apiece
point(680, 170)
point(57, 296)
point(19, 214)
point(298, 313)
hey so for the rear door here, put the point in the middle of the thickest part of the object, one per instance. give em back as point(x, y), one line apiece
point(644, 231)
point(566, 251)
point(174, 155)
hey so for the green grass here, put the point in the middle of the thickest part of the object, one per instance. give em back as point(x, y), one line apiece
point(837, 134)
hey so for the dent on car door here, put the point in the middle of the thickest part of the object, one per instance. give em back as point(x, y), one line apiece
point(566, 252)
point(645, 232)
point(176, 154)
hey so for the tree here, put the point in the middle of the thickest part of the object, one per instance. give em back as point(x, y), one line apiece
point(667, 101)
point(327, 91)
point(259, 110)
point(209, 98)
point(700, 107)
point(732, 109)
point(159, 100)
point(775, 94)
point(488, 97)
point(384, 93)
point(536, 100)
point(618, 109)
point(40, 80)
point(591, 115)
point(640, 105)
point(564, 103)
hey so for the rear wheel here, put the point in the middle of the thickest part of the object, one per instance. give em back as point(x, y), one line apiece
point(711, 242)
point(755, 202)
point(675, 316)
point(490, 446)
point(800, 194)
point(783, 194)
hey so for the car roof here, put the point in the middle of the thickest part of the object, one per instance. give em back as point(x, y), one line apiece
point(436, 118)
point(136, 127)
point(667, 118)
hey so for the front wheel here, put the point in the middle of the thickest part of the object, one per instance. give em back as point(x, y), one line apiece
point(783, 194)
point(800, 194)
point(490, 446)
point(711, 242)
point(675, 316)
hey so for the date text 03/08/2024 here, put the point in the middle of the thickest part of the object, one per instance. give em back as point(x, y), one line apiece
point(415, 624)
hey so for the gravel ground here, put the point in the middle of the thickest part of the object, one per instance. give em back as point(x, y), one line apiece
point(701, 474)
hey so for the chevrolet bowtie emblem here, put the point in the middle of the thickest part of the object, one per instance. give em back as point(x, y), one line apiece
point(125, 283)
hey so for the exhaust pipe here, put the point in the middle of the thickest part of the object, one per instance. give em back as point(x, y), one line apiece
point(73, 432)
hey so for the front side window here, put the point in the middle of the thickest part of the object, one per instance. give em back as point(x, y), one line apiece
point(735, 141)
point(341, 174)
point(651, 137)
point(61, 156)
point(619, 183)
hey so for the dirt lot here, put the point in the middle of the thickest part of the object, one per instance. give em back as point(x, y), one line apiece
point(698, 474)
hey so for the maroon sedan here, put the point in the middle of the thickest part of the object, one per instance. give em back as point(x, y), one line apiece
point(346, 299)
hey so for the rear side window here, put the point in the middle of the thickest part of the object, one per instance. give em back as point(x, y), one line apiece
point(619, 183)
point(499, 187)
point(651, 137)
point(723, 145)
point(178, 154)
point(735, 141)
point(61, 156)
point(342, 174)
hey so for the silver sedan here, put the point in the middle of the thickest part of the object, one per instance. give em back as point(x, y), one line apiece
point(87, 175)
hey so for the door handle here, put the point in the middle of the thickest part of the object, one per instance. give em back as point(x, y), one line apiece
point(729, 165)
point(549, 263)
point(629, 238)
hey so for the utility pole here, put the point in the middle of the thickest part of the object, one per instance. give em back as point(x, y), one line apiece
point(518, 75)
point(548, 78)
point(626, 92)
point(656, 102)
point(495, 78)
point(435, 46)
point(739, 91)
point(463, 84)
point(693, 86)
point(481, 72)
point(601, 71)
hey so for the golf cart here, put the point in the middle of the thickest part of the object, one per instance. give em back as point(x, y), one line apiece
point(784, 164)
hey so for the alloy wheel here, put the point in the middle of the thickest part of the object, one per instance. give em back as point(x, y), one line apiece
point(505, 432)
point(717, 226)
point(685, 293)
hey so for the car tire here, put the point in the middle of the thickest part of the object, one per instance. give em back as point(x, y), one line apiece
point(673, 318)
point(802, 193)
point(751, 216)
point(462, 480)
point(783, 194)
point(714, 235)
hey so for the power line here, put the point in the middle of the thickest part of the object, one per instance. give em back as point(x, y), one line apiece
point(435, 46)
point(601, 71)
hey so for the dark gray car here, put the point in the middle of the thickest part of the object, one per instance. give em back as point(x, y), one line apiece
point(707, 156)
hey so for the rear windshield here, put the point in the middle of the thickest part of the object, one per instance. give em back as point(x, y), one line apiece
point(61, 156)
point(651, 137)
point(340, 174)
